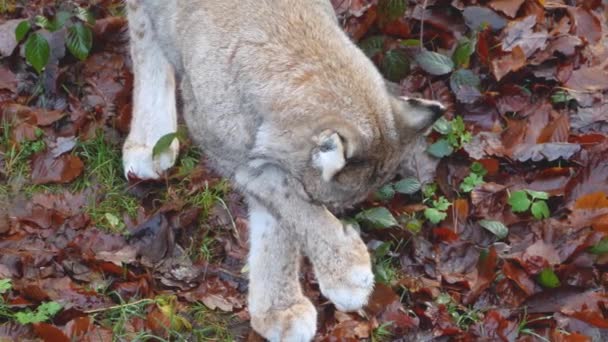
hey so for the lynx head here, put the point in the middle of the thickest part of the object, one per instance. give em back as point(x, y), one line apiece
point(354, 155)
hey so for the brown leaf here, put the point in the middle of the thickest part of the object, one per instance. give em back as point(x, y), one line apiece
point(520, 33)
point(512, 62)
point(586, 24)
point(50, 333)
point(8, 42)
point(589, 79)
point(558, 130)
point(47, 169)
point(547, 151)
point(8, 81)
point(485, 275)
point(508, 7)
point(519, 276)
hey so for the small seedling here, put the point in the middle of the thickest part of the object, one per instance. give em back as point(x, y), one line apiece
point(474, 178)
point(437, 212)
point(42, 313)
point(523, 200)
point(455, 136)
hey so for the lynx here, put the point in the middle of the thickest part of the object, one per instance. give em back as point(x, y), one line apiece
point(289, 109)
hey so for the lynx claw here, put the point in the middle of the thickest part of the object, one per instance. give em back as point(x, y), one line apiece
point(297, 323)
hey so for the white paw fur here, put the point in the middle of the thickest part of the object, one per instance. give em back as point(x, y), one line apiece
point(138, 161)
point(297, 323)
point(352, 294)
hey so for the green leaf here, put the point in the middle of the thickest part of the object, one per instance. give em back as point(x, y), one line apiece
point(440, 149)
point(79, 41)
point(464, 50)
point(547, 278)
point(538, 194)
point(434, 63)
point(43, 313)
point(478, 168)
point(408, 186)
point(434, 215)
point(599, 248)
point(84, 15)
point(442, 126)
point(496, 227)
point(429, 190)
point(385, 193)
point(395, 65)
point(540, 210)
point(519, 201)
point(112, 219)
point(561, 96)
point(37, 51)
point(470, 182)
point(42, 22)
point(463, 77)
point(22, 29)
point(164, 143)
point(414, 226)
point(372, 46)
point(442, 203)
point(5, 285)
point(382, 250)
point(410, 42)
point(60, 19)
point(391, 9)
point(378, 217)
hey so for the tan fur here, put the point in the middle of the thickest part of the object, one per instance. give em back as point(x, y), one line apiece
point(293, 112)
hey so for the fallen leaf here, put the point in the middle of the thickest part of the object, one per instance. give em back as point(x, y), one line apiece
point(48, 169)
point(511, 62)
point(508, 7)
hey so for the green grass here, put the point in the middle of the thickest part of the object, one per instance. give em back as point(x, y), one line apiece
point(103, 174)
point(208, 325)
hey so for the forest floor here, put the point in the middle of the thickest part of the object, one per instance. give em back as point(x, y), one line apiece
point(499, 234)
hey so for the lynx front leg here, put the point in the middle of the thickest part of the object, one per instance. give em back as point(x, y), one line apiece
point(154, 109)
point(279, 310)
point(339, 256)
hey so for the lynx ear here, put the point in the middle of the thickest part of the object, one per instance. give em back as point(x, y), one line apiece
point(328, 155)
point(415, 114)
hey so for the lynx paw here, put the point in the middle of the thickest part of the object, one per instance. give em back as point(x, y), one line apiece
point(351, 293)
point(347, 279)
point(297, 323)
point(138, 161)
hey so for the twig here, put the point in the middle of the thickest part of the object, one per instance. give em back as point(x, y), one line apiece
point(422, 25)
point(145, 300)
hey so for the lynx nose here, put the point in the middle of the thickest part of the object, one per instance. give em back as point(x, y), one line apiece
point(436, 108)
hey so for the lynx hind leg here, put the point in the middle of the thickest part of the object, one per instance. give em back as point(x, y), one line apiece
point(154, 107)
point(279, 310)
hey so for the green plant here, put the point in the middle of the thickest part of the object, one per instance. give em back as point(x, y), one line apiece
point(42, 313)
point(208, 325)
point(474, 178)
point(16, 156)
point(436, 206)
point(523, 328)
point(103, 173)
point(383, 266)
point(454, 137)
point(523, 200)
point(79, 37)
point(548, 279)
point(381, 333)
point(463, 316)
